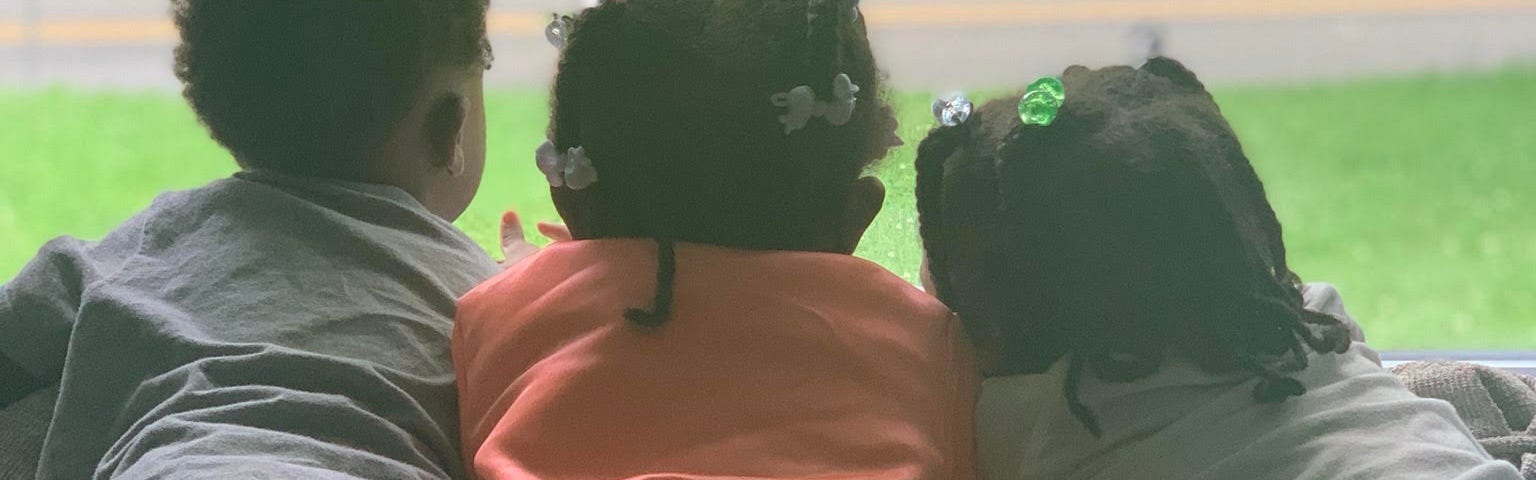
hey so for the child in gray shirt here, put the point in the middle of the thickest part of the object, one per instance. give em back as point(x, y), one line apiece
point(292, 321)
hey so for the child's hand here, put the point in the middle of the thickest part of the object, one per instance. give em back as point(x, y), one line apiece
point(555, 232)
point(514, 246)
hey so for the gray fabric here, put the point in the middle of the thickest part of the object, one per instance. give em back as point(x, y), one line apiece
point(1497, 406)
point(1356, 421)
point(259, 327)
point(24, 423)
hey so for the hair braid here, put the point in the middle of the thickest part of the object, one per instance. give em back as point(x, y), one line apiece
point(931, 154)
point(1272, 387)
point(1073, 382)
point(587, 29)
point(1334, 337)
point(666, 273)
point(823, 43)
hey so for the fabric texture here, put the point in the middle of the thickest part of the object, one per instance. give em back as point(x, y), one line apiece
point(1355, 422)
point(16, 382)
point(1496, 405)
point(263, 326)
point(24, 423)
point(772, 365)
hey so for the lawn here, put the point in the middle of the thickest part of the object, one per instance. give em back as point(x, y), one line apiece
point(1413, 195)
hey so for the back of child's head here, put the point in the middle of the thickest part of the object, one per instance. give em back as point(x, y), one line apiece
point(313, 87)
point(1130, 229)
point(678, 105)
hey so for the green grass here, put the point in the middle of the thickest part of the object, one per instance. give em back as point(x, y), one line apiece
point(1413, 195)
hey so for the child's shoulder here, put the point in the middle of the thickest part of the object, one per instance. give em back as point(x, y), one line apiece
point(878, 282)
point(185, 208)
point(829, 280)
point(167, 210)
point(558, 263)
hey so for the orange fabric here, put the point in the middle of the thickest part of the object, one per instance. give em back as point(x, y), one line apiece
point(773, 365)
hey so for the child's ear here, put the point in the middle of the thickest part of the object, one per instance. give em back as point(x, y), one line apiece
point(865, 200)
point(444, 132)
point(1173, 70)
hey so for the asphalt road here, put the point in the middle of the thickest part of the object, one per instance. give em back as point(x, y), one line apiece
point(923, 44)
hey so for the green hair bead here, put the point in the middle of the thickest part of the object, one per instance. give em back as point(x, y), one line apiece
point(1042, 102)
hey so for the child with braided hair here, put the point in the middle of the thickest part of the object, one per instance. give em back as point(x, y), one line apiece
point(1111, 248)
point(708, 320)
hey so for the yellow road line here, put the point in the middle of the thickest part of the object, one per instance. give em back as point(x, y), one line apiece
point(915, 15)
point(996, 13)
point(104, 31)
point(98, 32)
point(519, 23)
point(10, 34)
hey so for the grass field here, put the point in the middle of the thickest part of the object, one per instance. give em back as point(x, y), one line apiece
point(1414, 195)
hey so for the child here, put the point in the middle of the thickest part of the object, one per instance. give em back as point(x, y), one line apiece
point(715, 147)
point(292, 321)
point(1128, 277)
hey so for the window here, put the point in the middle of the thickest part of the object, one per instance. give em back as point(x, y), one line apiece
point(1397, 140)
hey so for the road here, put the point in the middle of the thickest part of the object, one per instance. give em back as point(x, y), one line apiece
point(923, 44)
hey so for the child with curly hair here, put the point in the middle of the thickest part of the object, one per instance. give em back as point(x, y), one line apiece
point(293, 320)
point(709, 321)
point(1113, 250)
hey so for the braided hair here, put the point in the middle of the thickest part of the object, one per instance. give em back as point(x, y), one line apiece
point(671, 101)
point(1132, 229)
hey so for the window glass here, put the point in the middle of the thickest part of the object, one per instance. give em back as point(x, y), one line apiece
point(1397, 139)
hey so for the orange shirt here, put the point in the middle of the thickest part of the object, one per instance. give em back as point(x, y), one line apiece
point(773, 365)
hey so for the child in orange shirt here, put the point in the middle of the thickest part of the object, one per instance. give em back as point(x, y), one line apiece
point(707, 157)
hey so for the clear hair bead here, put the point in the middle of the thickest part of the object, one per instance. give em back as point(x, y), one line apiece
point(952, 109)
point(558, 32)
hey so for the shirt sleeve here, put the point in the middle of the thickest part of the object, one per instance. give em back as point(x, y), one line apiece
point(38, 308)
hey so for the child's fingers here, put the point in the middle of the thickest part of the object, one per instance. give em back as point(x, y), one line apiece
point(514, 246)
point(511, 229)
point(555, 231)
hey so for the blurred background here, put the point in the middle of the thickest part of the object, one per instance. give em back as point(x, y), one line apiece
point(925, 44)
point(1397, 137)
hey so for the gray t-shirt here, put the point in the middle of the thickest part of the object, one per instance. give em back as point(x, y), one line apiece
point(263, 326)
point(1355, 422)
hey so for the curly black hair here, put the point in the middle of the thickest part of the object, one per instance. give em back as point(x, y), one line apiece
point(1132, 228)
point(671, 100)
point(311, 87)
